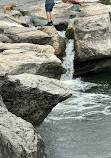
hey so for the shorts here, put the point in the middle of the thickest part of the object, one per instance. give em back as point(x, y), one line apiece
point(49, 7)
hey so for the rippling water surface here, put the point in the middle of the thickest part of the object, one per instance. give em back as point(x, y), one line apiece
point(80, 127)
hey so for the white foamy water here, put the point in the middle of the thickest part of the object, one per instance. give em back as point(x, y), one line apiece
point(82, 104)
point(68, 60)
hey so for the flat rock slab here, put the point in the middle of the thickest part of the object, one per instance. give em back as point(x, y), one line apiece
point(92, 31)
point(29, 58)
point(32, 97)
point(92, 9)
point(27, 35)
point(37, 12)
point(12, 19)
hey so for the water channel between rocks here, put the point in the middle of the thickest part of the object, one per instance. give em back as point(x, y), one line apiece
point(80, 127)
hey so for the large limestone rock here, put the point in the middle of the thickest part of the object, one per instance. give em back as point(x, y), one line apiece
point(29, 58)
point(18, 138)
point(27, 35)
point(12, 19)
point(61, 14)
point(1, 103)
point(32, 97)
point(56, 41)
point(92, 29)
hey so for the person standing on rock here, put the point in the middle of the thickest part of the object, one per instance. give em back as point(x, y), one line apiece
point(49, 4)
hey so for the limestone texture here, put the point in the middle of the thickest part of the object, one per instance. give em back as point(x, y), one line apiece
point(32, 97)
point(20, 58)
point(18, 138)
point(92, 29)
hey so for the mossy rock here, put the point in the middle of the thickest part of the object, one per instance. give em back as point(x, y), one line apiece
point(62, 51)
point(106, 2)
point(70, 33)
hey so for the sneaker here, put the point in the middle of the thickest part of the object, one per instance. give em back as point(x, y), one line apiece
point(49, 24)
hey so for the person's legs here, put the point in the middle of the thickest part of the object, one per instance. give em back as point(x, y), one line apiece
point(51, 16)
point(48, 16)
point(49, 8)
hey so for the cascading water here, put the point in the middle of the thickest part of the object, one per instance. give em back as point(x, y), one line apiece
point(80, 127)
point(68, 61)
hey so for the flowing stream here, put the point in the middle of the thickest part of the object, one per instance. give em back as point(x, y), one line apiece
point(80, 127)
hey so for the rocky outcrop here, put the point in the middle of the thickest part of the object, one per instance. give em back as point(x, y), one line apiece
point(12, 19)
point(24, 92)
point(18, 138)
point(12, 31)
point(32, 97)
point(29, 58)
point(92, 29)
point(27, 35)
point(1, 103)
point(39, 16)
point(56, 41)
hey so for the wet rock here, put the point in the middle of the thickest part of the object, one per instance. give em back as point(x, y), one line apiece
point(18, 138)
point(30, 58)
point(32, 97)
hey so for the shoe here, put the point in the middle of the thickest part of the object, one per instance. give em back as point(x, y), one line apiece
point(49, 24)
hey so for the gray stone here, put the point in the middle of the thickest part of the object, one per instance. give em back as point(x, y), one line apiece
point(30, 58)
point(56, 41)
point(12, 19)
point(60, 20)
point(27, 35)
point(32, 97)
point(18, 138)
point(5, 39)
point(1, 103)
point(92, 29)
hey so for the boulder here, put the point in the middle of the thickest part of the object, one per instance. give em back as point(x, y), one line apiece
point(29, 58)
point(27, 35)
point(60, 20)
point(1, 103)
point(32, 97)
point(12, 19)
point(18, 138)
point(92, 29)
point(56, 41)
point(5, 39)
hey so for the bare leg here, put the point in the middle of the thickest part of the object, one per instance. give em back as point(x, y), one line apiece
point(48, 16)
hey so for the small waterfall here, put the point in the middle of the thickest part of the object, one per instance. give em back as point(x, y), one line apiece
point(68, 60)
